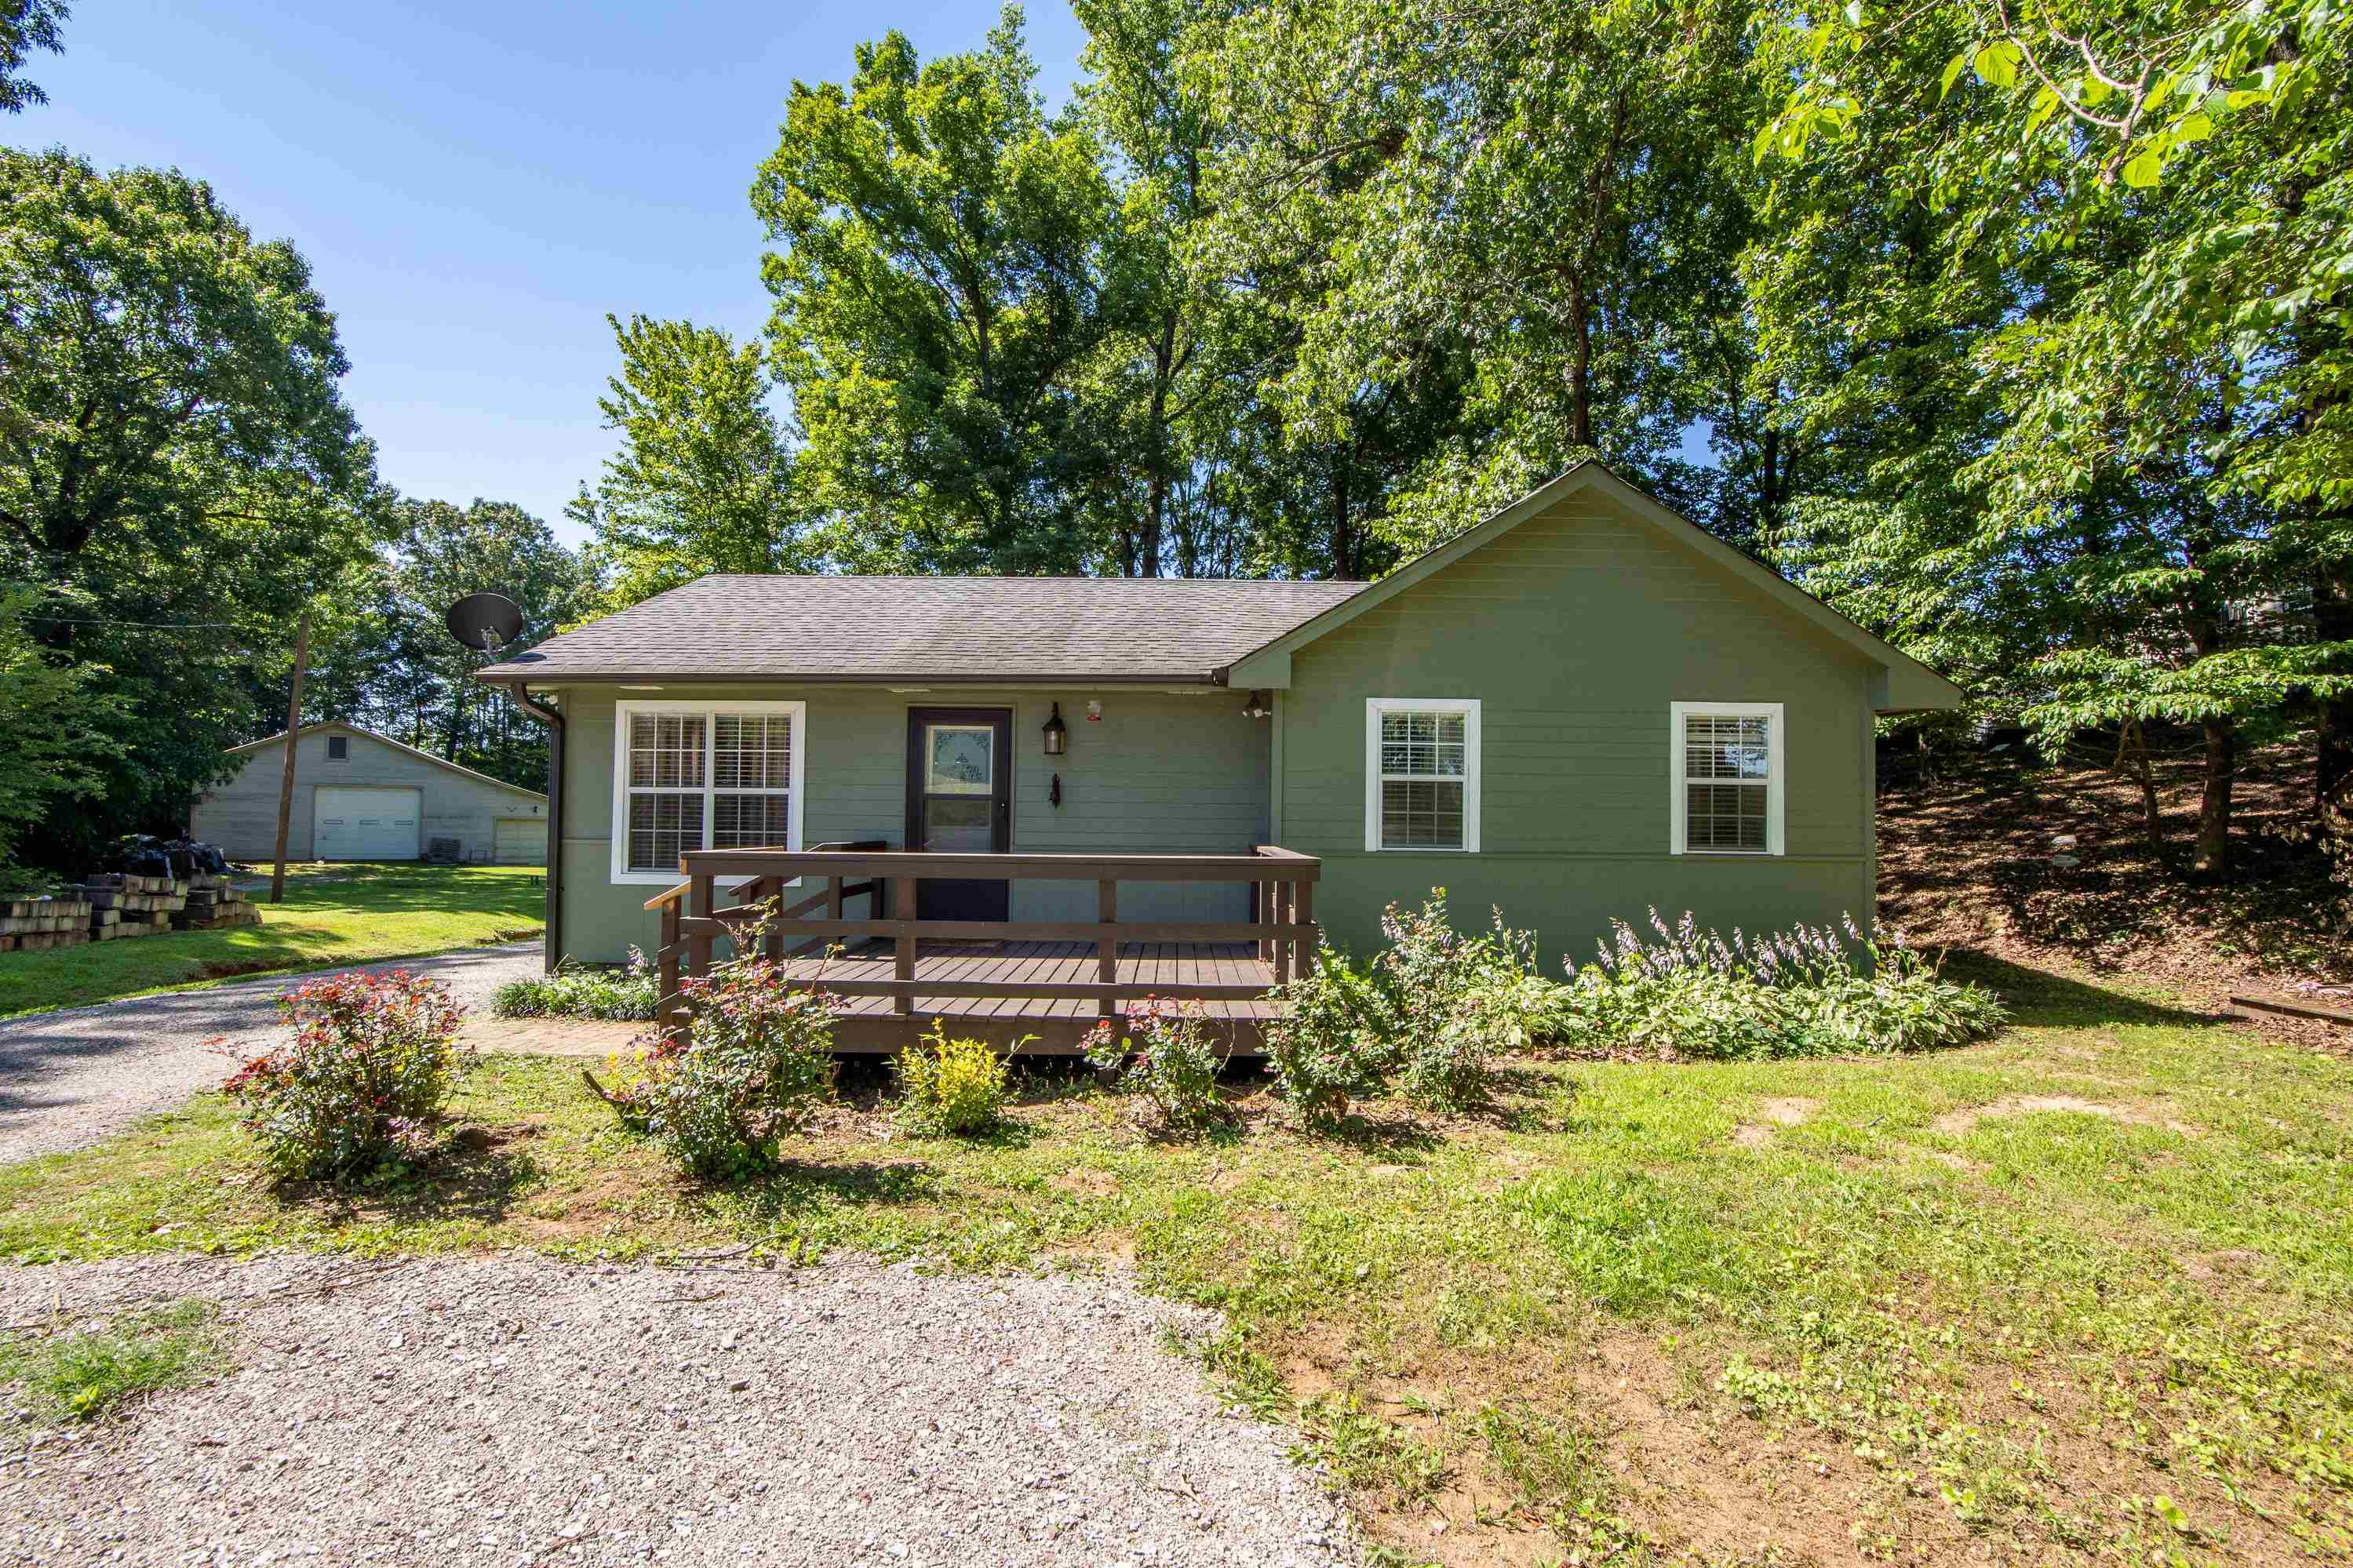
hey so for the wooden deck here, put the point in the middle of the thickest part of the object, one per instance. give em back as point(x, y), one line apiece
point(1035, 985)
point(1176, 969)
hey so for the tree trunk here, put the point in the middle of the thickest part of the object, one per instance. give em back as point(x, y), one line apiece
point(1343, 540)
point(2152, 821)
point(2214, 806)
point(2332, 771)
point(1580, 366)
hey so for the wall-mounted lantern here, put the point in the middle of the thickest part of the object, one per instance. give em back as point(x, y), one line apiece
point(1259, 706)
point(1057, 734)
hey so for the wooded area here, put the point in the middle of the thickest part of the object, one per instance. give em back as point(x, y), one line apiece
point(2017, 334)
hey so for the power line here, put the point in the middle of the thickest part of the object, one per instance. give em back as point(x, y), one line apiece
point(142, 626)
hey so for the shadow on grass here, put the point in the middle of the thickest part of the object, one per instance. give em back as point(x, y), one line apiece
point(2039, 999)
point(475, 1175)
point(797, 1188)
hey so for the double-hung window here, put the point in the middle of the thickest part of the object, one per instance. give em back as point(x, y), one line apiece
point(716, 776)
point(1728, 788)
point(1421, 773)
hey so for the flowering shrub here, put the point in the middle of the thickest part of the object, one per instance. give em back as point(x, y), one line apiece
point(1457, 1002)
point(1331, 1045)
point(577, 992)
point(757, 1061)
point(1165, 1053)
point(949, 1086)
point(1802, 991)
point(365, 1076)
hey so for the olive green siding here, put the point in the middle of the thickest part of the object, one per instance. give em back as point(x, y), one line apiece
point(1576, 630)
point(1160, 771)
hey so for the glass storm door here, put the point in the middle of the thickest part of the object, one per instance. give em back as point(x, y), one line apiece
point(960, 802)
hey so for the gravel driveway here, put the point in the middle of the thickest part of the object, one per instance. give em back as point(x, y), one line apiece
point(76, 1076)
point(515, 1410)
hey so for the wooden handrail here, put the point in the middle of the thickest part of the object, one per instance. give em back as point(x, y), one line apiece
point(1283, 923)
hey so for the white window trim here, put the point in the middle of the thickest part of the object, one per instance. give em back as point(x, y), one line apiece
point(625, 711)
point(1375, 707)
point(1777, 786)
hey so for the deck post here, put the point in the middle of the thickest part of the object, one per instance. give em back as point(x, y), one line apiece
point(1107, 943)
point(698, 946)
point(1303, 916)
point(666, 971)
point(903, 909)
point(1283, 942)
point(773, 942)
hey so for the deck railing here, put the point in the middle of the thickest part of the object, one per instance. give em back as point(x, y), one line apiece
point(692, 920)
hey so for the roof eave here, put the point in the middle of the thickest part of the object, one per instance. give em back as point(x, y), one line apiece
point(521, 675)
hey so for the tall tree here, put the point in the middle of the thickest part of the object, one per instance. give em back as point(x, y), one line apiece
point(940, 277)
point(27, 26)
point(1537, 187)
point(174, 451)
point(703, 481)
point(51, 725)
point(2138, 214)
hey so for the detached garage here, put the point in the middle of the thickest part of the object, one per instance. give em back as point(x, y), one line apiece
point(359, 796)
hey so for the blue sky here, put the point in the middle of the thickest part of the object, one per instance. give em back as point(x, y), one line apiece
point(477, 186)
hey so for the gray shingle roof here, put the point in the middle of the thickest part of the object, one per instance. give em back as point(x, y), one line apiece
point(932, 628)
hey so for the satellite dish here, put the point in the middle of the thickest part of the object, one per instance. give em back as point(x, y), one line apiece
point(485, 621)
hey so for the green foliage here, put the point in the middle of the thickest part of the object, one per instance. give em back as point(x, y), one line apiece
point(758, 1063)
point(938, 281)
point(383, 657)
point(1455, 1001)
point(1803, 992)
point(703, 481)
point(84, 1375)
point(949, 1088)
point(1166, 1054)
point(25, 26)
point(49, 720)
point(173, 450)
point(363, 1082)
point(581, 991)
point(1331, 1045)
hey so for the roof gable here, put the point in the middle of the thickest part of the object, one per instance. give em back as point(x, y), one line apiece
point(339, 727)
point(1902, 683)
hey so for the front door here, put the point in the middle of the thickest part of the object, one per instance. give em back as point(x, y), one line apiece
point(960, 802)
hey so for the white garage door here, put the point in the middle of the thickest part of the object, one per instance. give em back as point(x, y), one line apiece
point(520, 841)
point(350, 824)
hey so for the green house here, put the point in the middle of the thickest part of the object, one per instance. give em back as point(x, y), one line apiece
point(1585, 706)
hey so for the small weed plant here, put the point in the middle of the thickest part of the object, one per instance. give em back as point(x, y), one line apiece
point(577, 991)
point(1166, 1054)
point(949, 1088)
point(363, 1081)
point(83, 1376)
point(1799, 993)
point(755, 1064)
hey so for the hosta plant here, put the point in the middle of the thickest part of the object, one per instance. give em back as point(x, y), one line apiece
point(1456, 1001)
point(1166, 1054)
point(362, 1081)
point(579, 991)
point(949, 1088)
point(1807, 991)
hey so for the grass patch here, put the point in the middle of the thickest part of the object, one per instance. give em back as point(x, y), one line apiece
point(1633, 1311)
point(333, 915)
point(83, 1375)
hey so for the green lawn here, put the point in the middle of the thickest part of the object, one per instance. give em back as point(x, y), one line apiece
point(333, 915)
point(2083, 1292)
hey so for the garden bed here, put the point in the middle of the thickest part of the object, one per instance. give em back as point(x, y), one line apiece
point(2079, 1289)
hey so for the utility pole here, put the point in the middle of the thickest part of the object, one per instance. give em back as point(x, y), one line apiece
point(286, 782)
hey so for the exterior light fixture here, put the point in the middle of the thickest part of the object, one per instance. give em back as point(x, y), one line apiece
point(1259, 706)
point(1057, 734)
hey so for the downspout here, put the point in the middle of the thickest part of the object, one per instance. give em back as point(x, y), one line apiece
point(553, 718)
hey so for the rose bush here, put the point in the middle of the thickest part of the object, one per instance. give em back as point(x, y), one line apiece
point(364, 1081)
